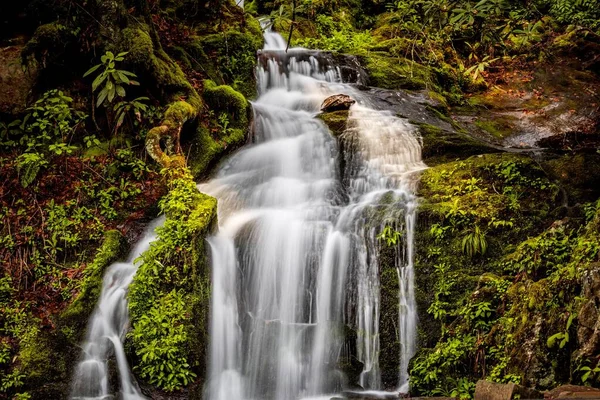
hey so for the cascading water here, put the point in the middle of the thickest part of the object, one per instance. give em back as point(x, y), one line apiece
point(106, 330)
point(295, 259)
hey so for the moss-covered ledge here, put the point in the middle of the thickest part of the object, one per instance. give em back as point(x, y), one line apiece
point(54, 353)
point(169, 296)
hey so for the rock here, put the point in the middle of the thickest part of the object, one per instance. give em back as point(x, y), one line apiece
point(441, 144)
point(16, 83)
point(336, 121)
point(573, 392)
point(337, 102)
point(486, 390)
point(588, 330)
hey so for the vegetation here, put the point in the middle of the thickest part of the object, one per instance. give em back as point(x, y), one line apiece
point(128, 102)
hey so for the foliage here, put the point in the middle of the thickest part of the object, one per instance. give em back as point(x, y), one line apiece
point(44, 132)
point(433, 371)
point(111, 80)
point(169, 286)
point(337, 36)
point(562, 337)
point(124, 108)
point(389, 235)
point(474, 242)
point(162, 340)
point(584, 12)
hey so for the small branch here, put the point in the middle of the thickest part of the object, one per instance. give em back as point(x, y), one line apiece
point(291, 25)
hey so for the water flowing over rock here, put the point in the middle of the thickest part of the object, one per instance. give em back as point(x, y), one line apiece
point(106, 331)
point(337, 102)
point(295, 260)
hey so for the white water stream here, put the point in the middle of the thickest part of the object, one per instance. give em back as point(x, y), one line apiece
point(295, 261)
point(106, 331)
point(295, 258)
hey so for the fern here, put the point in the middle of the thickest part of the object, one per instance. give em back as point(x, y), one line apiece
point(474, 243)
point(28, 166)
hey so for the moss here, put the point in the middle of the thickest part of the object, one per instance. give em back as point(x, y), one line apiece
point(233, 53)
point(579, 174)
point(155, 66)
point(226, 99)
point(175, 273)
point(335, 121)
point(440, 145)
point(497, 128)
point(47, 44)
point(61, 345)
point(76, 315)
point(397, 73)
point(228, 124)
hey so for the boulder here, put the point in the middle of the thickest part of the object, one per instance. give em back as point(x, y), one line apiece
point(573, 392)
point(337, 102)
point(16, 83)
point(485, 390)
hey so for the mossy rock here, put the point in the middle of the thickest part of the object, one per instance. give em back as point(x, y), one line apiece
point(47, 357)
point(155, 68)
point(211, 139)
point(233, 53)
point(579, 174)
point(440, 145)
point(225, 99)
point(170, 293)
point(335, 121)
point(76, 315)
point(397, 73)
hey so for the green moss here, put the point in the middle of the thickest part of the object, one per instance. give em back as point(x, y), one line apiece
point(172, 285)
point(226, 99)
point(497, 128)
point(397, 73)
point(578, 174)
point(156, 67)
point(233, 53)
point(336, 121)
point(48, 44)
point(440, 145)
point(76, 315)
point(228, 124)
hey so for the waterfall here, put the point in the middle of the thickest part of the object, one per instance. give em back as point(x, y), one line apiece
point(295, 259)
point(106, 331)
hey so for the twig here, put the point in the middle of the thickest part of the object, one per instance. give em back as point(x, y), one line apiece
point(291, 25)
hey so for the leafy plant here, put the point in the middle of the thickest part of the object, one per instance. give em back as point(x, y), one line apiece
point(561, 337)
point(125, 108)
point(28, 166)
point(390, 236)
point(474, 243)
point(111, 79)
point(162, 342)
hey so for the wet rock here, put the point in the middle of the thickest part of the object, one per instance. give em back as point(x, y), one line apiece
point(573, 392)
point(337, 102)
point(486, 390)
point(336, 121)
point(442, 144)
point(588, 330)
